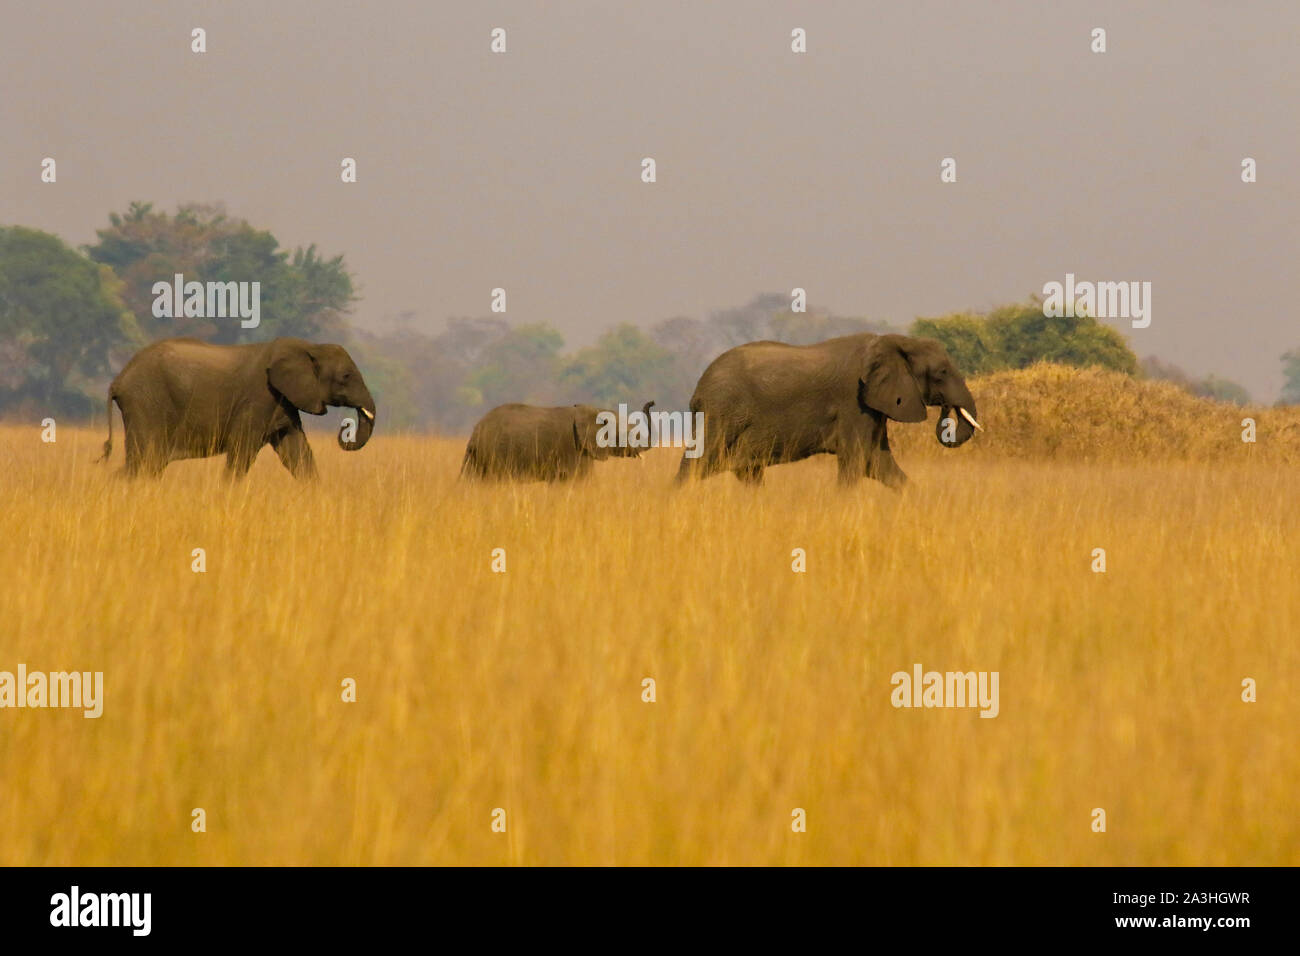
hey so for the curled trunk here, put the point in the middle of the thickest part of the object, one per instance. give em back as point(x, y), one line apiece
point(650, 437)
point(364, 416)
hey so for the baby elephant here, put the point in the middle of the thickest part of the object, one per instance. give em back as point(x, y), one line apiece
point(527, 443)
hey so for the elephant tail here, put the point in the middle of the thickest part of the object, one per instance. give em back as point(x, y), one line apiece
point(108, 445)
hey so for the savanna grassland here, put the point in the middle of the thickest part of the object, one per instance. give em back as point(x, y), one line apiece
point(523, 690)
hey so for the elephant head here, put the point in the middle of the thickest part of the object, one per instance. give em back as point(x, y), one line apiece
point(311, 376)
point(905, 374)
point(586, 431)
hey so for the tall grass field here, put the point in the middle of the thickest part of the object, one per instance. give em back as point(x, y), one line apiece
point(518, 696)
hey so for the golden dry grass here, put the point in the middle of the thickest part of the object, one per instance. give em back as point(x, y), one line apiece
point(523, 690)
point(1057, 413)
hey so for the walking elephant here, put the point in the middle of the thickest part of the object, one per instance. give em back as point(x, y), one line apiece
point(528, 443)
point(766, 403)
point(183, 398)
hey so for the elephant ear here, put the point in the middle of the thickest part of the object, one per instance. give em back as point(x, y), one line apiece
point(585, 432)
point(889, 386)
point(293, 373)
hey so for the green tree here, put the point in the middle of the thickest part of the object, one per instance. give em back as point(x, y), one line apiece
point(624, 365)
point(1222, 390)
point(427, 381)
point(1017, 336)
point(63, 317)
point(806, 328)
point(301, 293)
point(1027, 336)
point(520, 366)
point(1218, 389)
point(691, 345)
point(1291, 378)
point(968, 339)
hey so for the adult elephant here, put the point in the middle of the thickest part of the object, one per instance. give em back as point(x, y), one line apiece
point(183, 398)
point(766, 403)
point(528, 443)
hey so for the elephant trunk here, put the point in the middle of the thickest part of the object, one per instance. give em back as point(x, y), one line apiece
point(650, 437)
point(365, 424)
point(958, 410)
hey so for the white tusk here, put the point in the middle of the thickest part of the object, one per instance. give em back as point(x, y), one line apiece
point(370, 415)
point(970, 418)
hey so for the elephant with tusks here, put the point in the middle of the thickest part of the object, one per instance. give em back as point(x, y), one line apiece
point(766, 403)
point(184, 398)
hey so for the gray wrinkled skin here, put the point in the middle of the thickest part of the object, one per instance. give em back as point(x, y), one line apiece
point(528, 443)
point(767, 403)
point(183, 398)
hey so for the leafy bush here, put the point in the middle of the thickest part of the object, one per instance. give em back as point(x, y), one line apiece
point(1017, 336)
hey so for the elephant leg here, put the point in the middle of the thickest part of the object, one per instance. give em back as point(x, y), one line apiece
point(694, 468)
point(145, 464)
point(685, 470)
point(712, 448)
point(851, 446)
point(885, 469)
point(750, 474)
point(851, 466)
point(691, 469)
point(699, 467)
point(145, 446)
point(135, 458)
point(702, 467)
point(881, 464)
point(144, 458)
point(294, 453)
point(239, 458)
point(576, 471)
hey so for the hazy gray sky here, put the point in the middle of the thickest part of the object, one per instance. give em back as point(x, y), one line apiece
point(775, 170)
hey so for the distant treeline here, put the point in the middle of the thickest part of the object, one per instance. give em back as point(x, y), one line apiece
point(70, 319)
point(444, 382)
